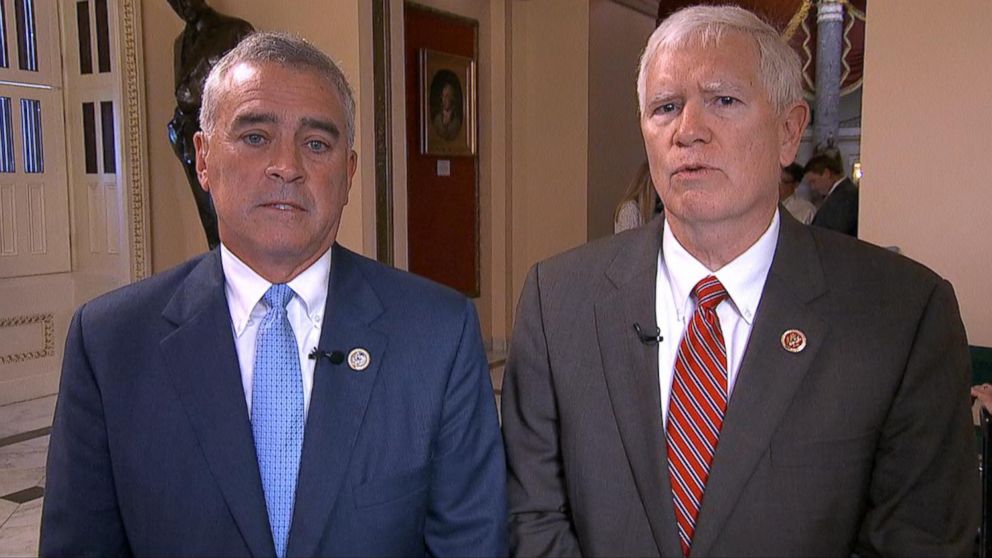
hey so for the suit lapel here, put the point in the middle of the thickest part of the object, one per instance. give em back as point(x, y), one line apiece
point(768, 378)
point(205, 371)
point(631, 370)
point(338, 402)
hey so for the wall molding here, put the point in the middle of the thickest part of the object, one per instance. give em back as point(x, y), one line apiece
point(47, 322)
point(135, 148)
point(382, 106)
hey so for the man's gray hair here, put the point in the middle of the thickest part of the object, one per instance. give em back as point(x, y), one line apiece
point(288, 51)
point(780, 70)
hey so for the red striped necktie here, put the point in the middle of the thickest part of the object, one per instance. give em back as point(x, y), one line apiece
point(696, 407)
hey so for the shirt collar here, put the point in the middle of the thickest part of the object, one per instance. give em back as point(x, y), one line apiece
point(244, 287)
point(311, 286)
point(743, 277)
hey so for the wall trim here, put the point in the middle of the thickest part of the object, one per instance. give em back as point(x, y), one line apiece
point(47, 323)
point(382, 103)
point(134, 138)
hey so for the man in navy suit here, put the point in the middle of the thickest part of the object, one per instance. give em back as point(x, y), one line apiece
point(839, 210)
point(157, 445)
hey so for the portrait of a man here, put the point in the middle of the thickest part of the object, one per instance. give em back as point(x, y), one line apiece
point(446, 105)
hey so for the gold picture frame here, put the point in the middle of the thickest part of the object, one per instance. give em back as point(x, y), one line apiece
point(448, 104)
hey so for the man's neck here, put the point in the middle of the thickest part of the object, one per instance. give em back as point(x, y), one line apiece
point(277, 271)
point(716, 244)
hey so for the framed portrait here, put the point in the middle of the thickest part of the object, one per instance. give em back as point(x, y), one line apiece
point(447, 104)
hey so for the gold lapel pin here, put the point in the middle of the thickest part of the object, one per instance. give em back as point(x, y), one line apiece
point(359, 359)
point(794, 341)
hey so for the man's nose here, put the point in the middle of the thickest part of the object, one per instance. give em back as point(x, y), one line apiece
point(286, 164)
point(692, 125)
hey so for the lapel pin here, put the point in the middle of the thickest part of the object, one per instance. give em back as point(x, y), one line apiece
point(359, 359)
point(794, 341)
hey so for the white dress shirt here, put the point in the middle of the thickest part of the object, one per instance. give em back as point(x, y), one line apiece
point(244, 289)
point(744, 280)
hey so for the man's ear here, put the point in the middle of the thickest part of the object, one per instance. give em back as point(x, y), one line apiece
point(793, 121)
point(202, 145)
point(352, 167)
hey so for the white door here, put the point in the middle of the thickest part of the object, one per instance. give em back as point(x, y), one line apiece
point(34, 194)
point(36, 286)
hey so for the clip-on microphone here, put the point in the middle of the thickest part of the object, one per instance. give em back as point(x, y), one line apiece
point(652, 338)
point(335, 357)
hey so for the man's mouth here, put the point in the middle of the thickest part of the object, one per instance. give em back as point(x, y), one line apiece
point(282, 206)
point(692, 168)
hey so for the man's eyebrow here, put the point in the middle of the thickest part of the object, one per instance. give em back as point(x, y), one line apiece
point(715, 86)
point(661, 96)
point(323, 125)
point(251, 118)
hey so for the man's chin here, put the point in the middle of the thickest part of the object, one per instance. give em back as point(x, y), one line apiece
point(714, 214)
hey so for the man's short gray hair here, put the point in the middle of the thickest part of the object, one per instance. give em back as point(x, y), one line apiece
point(780, 70)
point(288, 51)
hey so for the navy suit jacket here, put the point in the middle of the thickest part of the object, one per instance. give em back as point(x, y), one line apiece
point(152, 454)
point(839, 211)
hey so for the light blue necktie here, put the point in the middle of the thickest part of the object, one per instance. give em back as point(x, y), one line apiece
point(277, 412)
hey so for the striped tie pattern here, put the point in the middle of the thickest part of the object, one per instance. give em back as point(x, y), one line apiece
point(696, 407)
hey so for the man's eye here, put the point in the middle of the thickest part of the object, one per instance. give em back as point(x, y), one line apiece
point(254, 139)
point(317, 146)
point(666, 108)
point(726, 101)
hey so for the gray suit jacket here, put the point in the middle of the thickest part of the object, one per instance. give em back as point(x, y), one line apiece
point(860, 443)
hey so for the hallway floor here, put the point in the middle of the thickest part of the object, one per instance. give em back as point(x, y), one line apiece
point(24, 429)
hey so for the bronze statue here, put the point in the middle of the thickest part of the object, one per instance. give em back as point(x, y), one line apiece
point(207, 37)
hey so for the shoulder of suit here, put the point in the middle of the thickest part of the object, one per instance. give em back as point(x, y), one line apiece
point(159, 284)
point(847, 188)
point(863, 263)
point(399, 286)
point(588, 268)
point(130, 306)
point(595, 253)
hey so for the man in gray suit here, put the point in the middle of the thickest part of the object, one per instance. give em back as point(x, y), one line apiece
point(725, 380)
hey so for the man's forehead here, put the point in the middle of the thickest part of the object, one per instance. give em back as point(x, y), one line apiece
point(250, 78)
point(250, 73)
point(250, 102)
point(241, 73)
point(732, 57)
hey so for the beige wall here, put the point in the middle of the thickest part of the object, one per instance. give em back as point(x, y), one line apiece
point(617, 36)
point(332, 25)
point(926, 143)
point(549, 103)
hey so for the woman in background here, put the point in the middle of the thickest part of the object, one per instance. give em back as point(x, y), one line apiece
point(639, 203)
